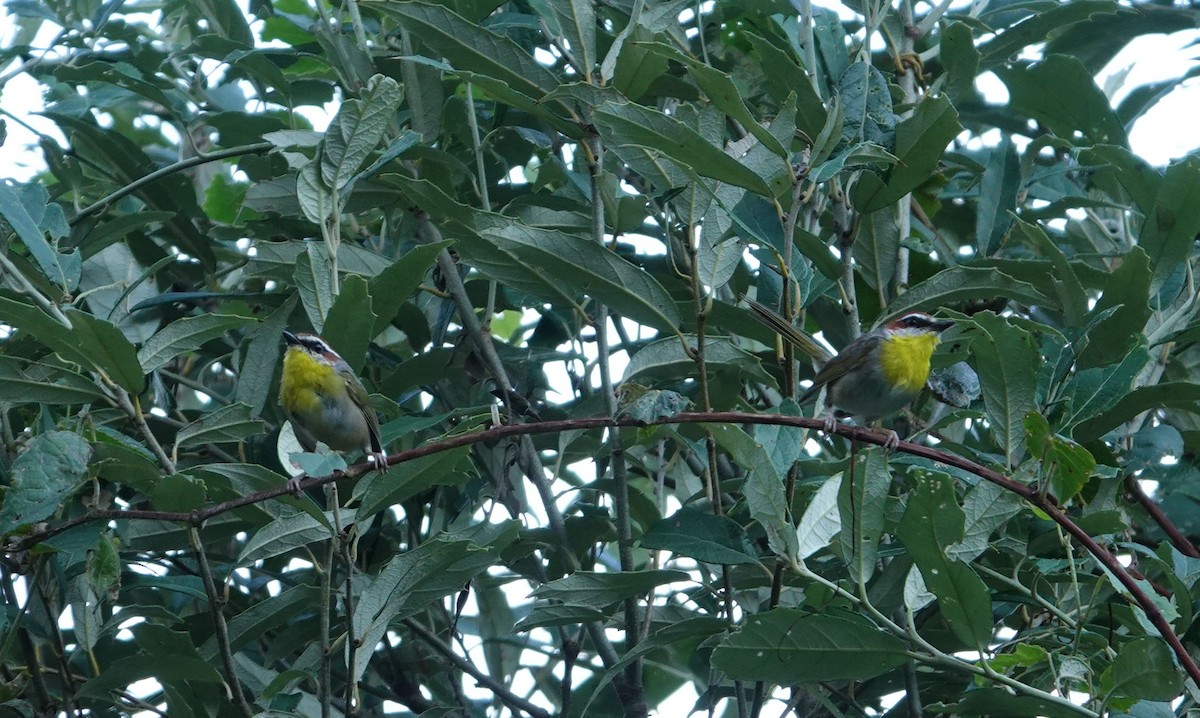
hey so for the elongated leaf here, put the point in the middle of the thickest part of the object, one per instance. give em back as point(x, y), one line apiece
point(861, 503)
point(261, 356)
point(18, 216)
point(392, 287)
point(630, 124)
point(229, 423)
point(867, 105)
point(185, 335)
point(1126, 300)
point(997, 196)
point(1091, 392)
point(920, 141)
point(598, 590)
point(1066, 465)
point(580, 262)
point(959, 284)
point(933, 521)
point(1039, 25)
point(821, 520)
point(787, 646)
point(1167, 395)
point(666, 358)
point(34, 383)
point(1171, 227)
point(357, 130)
point(52, 466)
point(350, 324)
point(763, 488)
point(413, 580)
point(400, 483)
point(575, 21)
point(1007, 362)
point(1061, 94)
point(287, 534)
point(703, 536)
point(470, 47)
point(314, 282)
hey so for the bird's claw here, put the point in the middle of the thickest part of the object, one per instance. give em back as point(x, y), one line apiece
point(829, 424)
point(892, 442)
point(293, 484)
point(380, 461)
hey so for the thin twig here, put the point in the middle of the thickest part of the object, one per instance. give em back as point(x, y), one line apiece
point(510, 699)
point(216, 604)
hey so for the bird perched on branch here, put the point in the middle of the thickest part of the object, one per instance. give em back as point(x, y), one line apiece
point(877, 374)
point(326, 401)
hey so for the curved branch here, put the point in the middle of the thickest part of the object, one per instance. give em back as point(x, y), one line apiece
point(170, 169)
point(1048, 504)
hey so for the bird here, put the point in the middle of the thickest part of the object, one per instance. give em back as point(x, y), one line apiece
point(873, 376)
point(325, 400)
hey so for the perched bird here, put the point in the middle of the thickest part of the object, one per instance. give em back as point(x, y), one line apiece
point(325, 401)
point(878, 373)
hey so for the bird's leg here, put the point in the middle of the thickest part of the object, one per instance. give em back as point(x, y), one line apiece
point(293, 484)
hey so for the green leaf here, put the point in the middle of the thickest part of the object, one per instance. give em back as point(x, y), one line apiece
point(357, 129)
point(1067, 464)
point(185, 335)
point(877, 247)
point(821, 520)
point(290, 533)
point(787, 646)
point(470, 47)
point(400, 483)
point(1061, 94)
point(920, 141)
point(997, 196)
point(121, 672)
point(14, 209)
point(314, 282)
point(933, 521)
point(598, 590)
point(413, 580)
point(229, 423)
point(37, 383)
point(763, 488)
point(392, 287)
point(1144, 669)
point(52, 466)
point(579, 262)
point(960, 284)
point(1041, 24)
point(575, 21)
point(179, 492)
point(861, 502)
point(350, 322)
point(986, 508)
point(703, 536)
point(1167, 395)
point(1170, 230)
point(867, 105)
point(1127, 293)
point(264, 619)
point(1091, 392)
point(631, 124)
point(666, 358)
point(1069, 290)
point(960, 60)
point(261, 357)
point(788, 79)
point(96, 343)
point(1007, 362)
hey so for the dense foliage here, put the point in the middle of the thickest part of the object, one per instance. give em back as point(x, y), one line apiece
point(529, 222)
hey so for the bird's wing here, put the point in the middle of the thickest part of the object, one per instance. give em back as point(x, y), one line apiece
point(360, 397)
point(853, 356)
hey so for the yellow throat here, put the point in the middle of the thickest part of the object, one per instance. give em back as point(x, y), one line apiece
point(305, 380)
point(904, 360)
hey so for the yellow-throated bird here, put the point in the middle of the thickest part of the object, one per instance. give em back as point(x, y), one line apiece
point(325, 400)
point(877, 374)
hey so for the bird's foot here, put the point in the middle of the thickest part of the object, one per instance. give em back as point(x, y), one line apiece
point(293, 484)
point(380, 461)
point(829, 424)
point(892, 442)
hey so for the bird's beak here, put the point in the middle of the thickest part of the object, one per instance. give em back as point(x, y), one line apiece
point(291, 339)
point(941, 325)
